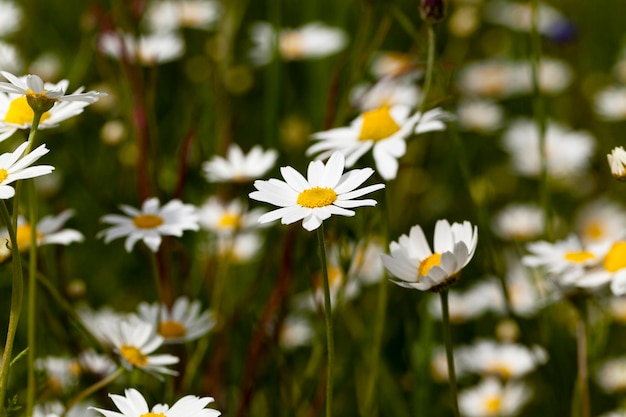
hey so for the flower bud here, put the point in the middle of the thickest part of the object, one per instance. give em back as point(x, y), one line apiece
point(40, 103)
point(617, 162)
point(433, 11)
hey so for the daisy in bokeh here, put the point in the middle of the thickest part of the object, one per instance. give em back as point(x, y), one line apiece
point(99, 321)
point(133, 404)
point(227, 218)
point(150, 223)
point(239, 167)
point(610, 103)
point(503, 360)
point(16, 112)
point(412, 261)
point(16, 166)
point(388, 64)
point(327, 190)
point(10, 58)
point(165, 16)
point(181, 323)
point(389, 91)
point(617, 163)
point(49, 232)
point(148, 50)
point(492, 398)
point(96, 363)
point(295, 331)
point(600, 223)
point(62, 372)
point(240, 248)
point(469, 304)
point(483, 116)
point(134, 341)
point(10, 18)
point(383, 130)
point(311, 41)
point(519, 222)
point(611, 375)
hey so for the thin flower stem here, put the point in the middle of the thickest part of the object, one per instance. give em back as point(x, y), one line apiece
point(540, 116)
point(430, 64)
point(447, 338)
point(93, 388)
point(583, 371)
point(154, 264)
point(329, 321)
point(17, 294)
point(32, 300)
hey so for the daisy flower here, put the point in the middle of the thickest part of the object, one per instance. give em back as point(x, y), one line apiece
point(325, 191)
point(10, 17)
point(227, 218)
point(16, 166)
point(519, 222)
point(601, 222)
point(240, 248)
point(388, 91)
point(237, 167)
point(134, 340)
point(133, 404)
point(518, 16)
point(15, 109)
point(63, 372)
point(610, 103)
point(165, 16)
point(413, 262)
point(180, 323)
point(96, 363)
point(148, 50)
point(150, 223)
point(611, 375)
point(611, 269)
point(617, 162)
point(49, 232)
point(382, 130)
point(392, 64)
point(483, 116)
point(469, 304)
point(504, 360)
point(492, 398)
point(295, 331)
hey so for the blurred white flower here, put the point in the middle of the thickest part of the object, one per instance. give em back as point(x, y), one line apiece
point(96, 363)
point(518, 16)
point(63, 372)
point(388, 91)
point(470, 304)
point(568, 152)
point(295, 331)
point(389, 64)
point(610, 103)
point(227, 217)
point(239, 167)
point(492, 398)
point(611, 375)
point(10, 18)
point(166, 16)
point(10, 58)
point(601, 222)
point(152, 49)
point(617, 163)
point(483, 116)
point(518, 222)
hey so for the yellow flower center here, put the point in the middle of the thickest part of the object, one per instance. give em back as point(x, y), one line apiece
point(4, 174)
point(615, 259)
point(291, 45)
point(426, 264)
point(594, 230)
point(378, 124)
point(147, 221)
point(20, 112)
point(230, 220)
point(23, 236)
point(579, 256)
point(171, 329)
point(493, 405)
point(133, 355)
point(151, 414)
point(317, 197)
point(500, 368)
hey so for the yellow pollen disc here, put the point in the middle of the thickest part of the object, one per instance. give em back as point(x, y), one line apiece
point(147, 221)
point(151, 414)
point(426, 264)
point(229, 220)
point(579, 256)
point(335, 277)
point(595, 230)
point(317, 197)
point(4, 174)
point(615, 259)
point(501, 369)
point(378, 124)
point(171, 329)
point(133, 355)
point(493, 404)
point(291, 45)
point(20, 112)
point(23, 236)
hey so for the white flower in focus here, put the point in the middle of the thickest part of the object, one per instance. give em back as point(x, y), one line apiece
point(33, 86)
point(311, 41)
point(492, 398)
point(568, 153)
point(382, 130)
point(617, 162)
point(150, 223)
point(14, 166)
point(133, 404)
point(519, 222)
point(166, 16)
point(49, 232)
point(610, 103)
point(389, 91)
point(327, 190)
point(611, 375)
point(148, 50)
point(483, 116)
point(10, 18)
point(134, 341)
point(180, 323)
point(227, 218)
point(416, 266)
point(503, 360)
point(239, 167)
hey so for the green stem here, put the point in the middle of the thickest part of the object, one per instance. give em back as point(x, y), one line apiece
point(583, 370)
point(447, 338)
point(540, 117)
point(329, 321)
point(93, 388)
point(430, 64)
point(17, 294)
point(32, 300)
